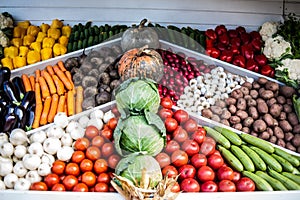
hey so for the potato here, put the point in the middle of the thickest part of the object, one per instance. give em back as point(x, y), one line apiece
point(289, 101)
point(287, 108)
point(254, 94)
point(234, 120)
point(288, 136)
point(282, 116)
point(262, 80)
point(225, 114)
point(292, 118)
point(225, 122)
point(215, 118)
point(264, 135)
point(271, 85)
point(289, 146)
point(296, 140)
point(254, 133)
point(237, 93)
point(216, 110)
point(285, 125)
point(287, 91)
point(251, 102)
point(247, 97)
point(259, 126)
point(232, 109)
point(246, 130)
point(242, 114)
point(270, 131)
point(268, 119)
point(275, 110)
point(241, 104)
point(230, 101)
point(247, 85)
point(278, 132)
point(262, 107)
point(238, 126)
point(271, 101)
point(261, 90)
point(256, 85)
point(220, 103)
point(281, 99)
point(244, 90)
point(248, 122)
point(253, 112)
point(273, 139)
point(275, 122)
point(206, 112)
point(267, 94)
point(280, 142)
point(296, 129)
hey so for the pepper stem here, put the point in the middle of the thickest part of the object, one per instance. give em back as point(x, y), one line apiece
point(142, 23)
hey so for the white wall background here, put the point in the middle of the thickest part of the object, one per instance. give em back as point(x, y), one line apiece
point(201, 14)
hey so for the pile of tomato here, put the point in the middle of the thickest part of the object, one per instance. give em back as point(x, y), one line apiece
point(192, 155)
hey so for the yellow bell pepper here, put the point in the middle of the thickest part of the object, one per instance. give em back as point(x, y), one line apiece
point(66, 30)
point(44, 27)
point(19, 32)
point(59, 49)
point(54, 33)
point(37, 46)
point(23, 50)
point(28, 39)
point(33, 30)
point(24, 24)
point(63, 40)
point(7, 62)
point(56, 23)
point(33, 57)
point(46, 53)
point(17, 42)
point(11, 51)
point(19, 61)
point(48, 42)
point(40, 37)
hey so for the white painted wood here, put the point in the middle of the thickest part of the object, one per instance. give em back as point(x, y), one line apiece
point(292, 7)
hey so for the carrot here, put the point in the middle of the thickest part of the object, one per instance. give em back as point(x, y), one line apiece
point(60, 88)
point(37, 115)
point(61, 75)
point(78, 99)
point(61, 104)
point(46, 109)
point(37, 75)
point(44, 87)
point(49, 81)
point(37, 90)
point(69, 76)
point(50, 70)
point(32, 82)
point(61, 66)
point(66, 107)
point(53, 108)
point(26, 82)
point(70, 103)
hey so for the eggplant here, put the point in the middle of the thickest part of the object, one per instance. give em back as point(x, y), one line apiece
point(4, 99)
point(20, 112)
point(18, 83)
point(28, 99)
point(29, 117)
point(4, 75)
point(11, 92)
point(10, 122)
point(2, 115)
point(10, 108)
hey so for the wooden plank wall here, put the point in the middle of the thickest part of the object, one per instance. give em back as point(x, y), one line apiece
point(201, 14)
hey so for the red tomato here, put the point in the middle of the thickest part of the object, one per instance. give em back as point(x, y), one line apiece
point(91, 131)
point(51, 179)
point(199, 135)
point(93, 153)
point(165, 113)
point(175, 188)
point(112, 123)
point(170, 170)
point(40, 186)
point(101, 187)
point(216, 152)
point(72, 169)
point(107, 133)
point(187, 171)
point(100, 166)
point(80, 187)
point(163, 159)
point(180, 135)
point(198, 160)
point(98, 141)
point(215, 161)
point(191, 147)
point(209, 139)
point(205, 173)
point(190, 185)
point(86, 165)
point(77, 156)
point(107, 149)
point(225, 173)
point(58, 187)
point(207, 148)
point(103, 178)
point(236, 176)
point(172, 146)
point(181, 116)
point(81, 144)
point(209, 186)
point(88, 178)
point(226, 186)
point(113, 160)
point(190, 125)
point(245, 184)
point(166, 102)
point(170, 124)
point(179, 158)
point(69, 182)
point(58, 167)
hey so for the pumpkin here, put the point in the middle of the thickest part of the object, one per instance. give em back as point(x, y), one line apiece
point(137, 37)
point(141, 62)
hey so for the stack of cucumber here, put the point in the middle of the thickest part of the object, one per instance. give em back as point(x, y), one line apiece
point(270, 167)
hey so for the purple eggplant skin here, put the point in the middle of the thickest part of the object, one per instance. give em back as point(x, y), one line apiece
point(4, 75)
point(18, 83)
point(28, 99)
point(2, 115)
point(4, 99)
point(11, 92)
point(20, 112)
point(10, 122)
point(29, 117)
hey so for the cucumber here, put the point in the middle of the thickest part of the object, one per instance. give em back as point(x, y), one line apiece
point(218, 137)
point(76, 35)
point(276, 185)
point(257, 161)
point(81, 36)
point(262, 144)
point(96, 40)
point(231, 159)
point(292, 176)
point(70, 47)
point(96, 30)
point(269, 160)
point(80, 27)
point(84, 43)
point(243, 157)
point(230, 135)
point(79, 44)
point(105, 36)
point(292, 159)
point(286, 165)
point(75, 45)
point(90, 41)
point(86, 33)
point(288, 183)
point(260, 183)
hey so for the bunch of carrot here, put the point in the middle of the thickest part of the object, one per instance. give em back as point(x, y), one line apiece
point(54, 92)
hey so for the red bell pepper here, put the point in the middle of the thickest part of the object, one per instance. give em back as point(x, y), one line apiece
point(261, 59)
point(215, 53)
point(235, 41)
point(233, 33)
point(245, 37)
point(226, 56)
point(223, 38)
point(221, 46)
point(247, 51)
point(235, 49)
point(211, 34)
point(255, 35)
point(252, 65)
point(220, 29)
point(256, 44)
point(240, 30)
point(239, 60)
point(209, 42)
point(267, 70)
